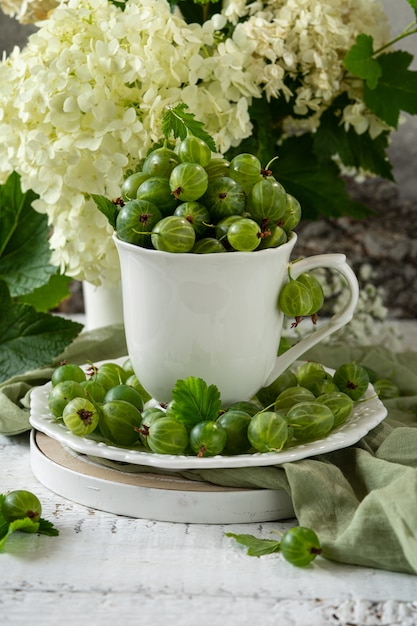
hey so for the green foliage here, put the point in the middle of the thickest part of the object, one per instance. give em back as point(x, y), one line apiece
point(194, 401)
point(306, 164)
point(41, 527)
point(413, 4)
point(396, 90)
point(256, 546)
point(354, 150)
point(359, 60)
point(107, 207)
point(389, 86)
point(48, 296)
point(315, 183)
point(180, 122)
point(29, 286)
point(29, 338)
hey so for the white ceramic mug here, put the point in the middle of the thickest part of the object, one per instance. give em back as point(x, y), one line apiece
point(215, 316)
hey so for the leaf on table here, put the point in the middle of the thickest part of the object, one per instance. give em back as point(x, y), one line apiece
point(107, 207)
point(194, 401)
point(316, 184)
point(25, 524)
point(256, 546)
point(29, 339)
point(359, 61)
point(396, 90)
point(359, 151)
point(47, 528)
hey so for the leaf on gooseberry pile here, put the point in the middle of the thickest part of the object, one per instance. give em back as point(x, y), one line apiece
point(107, 207)
point(178, 121)
point(194, 401)
point(256, 546)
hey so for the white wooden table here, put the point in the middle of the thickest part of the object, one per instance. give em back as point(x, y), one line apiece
point(106, 569)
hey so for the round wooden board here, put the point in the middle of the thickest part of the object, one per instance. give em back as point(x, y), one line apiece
point(148, 495)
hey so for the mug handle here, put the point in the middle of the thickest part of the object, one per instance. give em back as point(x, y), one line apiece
point(332, 261)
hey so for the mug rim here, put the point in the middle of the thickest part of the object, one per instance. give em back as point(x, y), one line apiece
point(292, 239)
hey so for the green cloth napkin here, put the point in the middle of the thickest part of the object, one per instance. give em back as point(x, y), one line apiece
point(361, 500)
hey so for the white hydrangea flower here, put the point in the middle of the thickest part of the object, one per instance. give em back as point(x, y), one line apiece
point(82, 103)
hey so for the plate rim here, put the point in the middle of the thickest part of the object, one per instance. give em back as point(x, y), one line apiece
point(362, 420)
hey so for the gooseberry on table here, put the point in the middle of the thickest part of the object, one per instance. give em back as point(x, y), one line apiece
point(19, 504)
point(300, 546)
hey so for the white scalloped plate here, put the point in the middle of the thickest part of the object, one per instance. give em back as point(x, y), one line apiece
point(365, 416)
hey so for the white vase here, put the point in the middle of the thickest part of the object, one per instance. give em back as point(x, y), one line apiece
point(103, 306)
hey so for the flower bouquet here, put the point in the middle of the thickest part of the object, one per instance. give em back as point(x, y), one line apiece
point(315, 82)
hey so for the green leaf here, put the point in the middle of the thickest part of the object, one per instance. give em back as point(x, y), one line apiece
point(360, 151)
point(359, 61)
point(47, 528)
point(121, 5)
point(48, 296)
point(396, 90)
point(256, 547)
point(316, 184)
point(29, 339)
point(3, 524)
point(42, 527)
point(413, 4)
point(178, 121)
point(193, 401)
point(11, 203)
point(25, 524)
point(24, 240)
point(107, 207)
